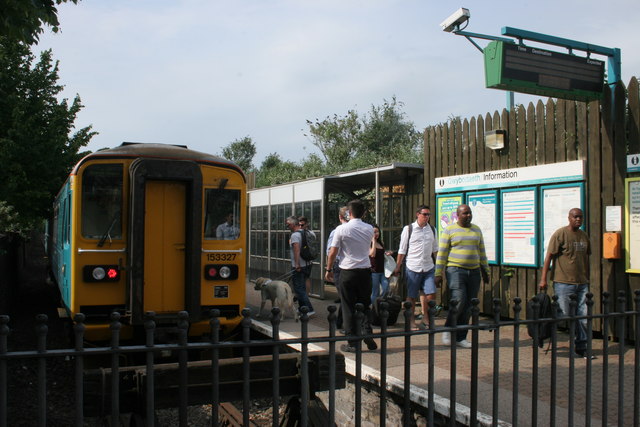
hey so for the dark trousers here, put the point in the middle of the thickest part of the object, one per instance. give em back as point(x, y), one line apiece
point(355, 287)
point(336, 282)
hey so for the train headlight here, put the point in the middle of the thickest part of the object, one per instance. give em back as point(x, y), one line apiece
point(225, 272)
point(101, 273)
point(98, 273)
point(220, 271)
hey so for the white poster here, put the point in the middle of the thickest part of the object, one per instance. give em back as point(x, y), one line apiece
point(484, 209)
point(519, 227)
point(633, 222)
point(556, 204)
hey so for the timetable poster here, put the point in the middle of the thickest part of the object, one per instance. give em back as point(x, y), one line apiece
point(519, 227)
point(484, 209)
point(556, 204)
point(633, 225)
point(447, 210)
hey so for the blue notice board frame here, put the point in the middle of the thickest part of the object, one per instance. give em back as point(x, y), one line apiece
point(484, 207)
point(519, 227)
point(555, 203)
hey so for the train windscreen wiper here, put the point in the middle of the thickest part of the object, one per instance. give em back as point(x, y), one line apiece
point(107, 233)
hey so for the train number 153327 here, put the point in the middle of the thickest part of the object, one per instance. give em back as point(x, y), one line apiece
point(221, 257)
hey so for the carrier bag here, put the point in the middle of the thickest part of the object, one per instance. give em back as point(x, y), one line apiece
point(394, 305)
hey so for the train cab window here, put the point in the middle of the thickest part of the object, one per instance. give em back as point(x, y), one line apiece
point(222, 214)
point(102, 202)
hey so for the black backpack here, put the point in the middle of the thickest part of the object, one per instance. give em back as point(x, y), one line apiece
point(308, 251)
point(544, 312)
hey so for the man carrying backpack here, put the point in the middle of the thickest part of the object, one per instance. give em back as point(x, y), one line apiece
point(569, 249)
point(418, 247)
point(301, 269)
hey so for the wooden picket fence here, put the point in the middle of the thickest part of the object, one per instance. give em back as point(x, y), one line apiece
point(600, 132)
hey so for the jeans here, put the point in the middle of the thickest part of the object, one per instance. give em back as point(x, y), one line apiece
point(298, 278)
point(378, 280)
point(464, 285)
point(564, 291)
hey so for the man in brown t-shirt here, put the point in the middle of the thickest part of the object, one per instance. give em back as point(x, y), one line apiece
point(569, 248)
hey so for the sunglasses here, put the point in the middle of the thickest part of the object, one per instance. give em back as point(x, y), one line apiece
point(425, 214)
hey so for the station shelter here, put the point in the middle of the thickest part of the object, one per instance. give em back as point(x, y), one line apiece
point(391, 192)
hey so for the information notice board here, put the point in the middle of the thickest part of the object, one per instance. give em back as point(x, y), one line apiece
point(632, 198)
point(484, 207)
point(557, 201)
point(519, 225)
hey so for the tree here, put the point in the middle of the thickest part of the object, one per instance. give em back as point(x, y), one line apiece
point(275, 171)
point(22, 20)
point(352, 142)
point(37, 147)
point(241, 151)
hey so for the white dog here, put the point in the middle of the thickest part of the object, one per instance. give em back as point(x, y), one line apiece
point(278, 292)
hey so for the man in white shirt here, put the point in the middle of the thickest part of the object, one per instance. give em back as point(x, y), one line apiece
point(419, 248)
point(352, 240)
point(343, 217)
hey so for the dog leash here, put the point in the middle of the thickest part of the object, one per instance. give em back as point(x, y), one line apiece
point(285, 276)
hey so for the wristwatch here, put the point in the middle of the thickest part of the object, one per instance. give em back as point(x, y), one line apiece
point(328, 270)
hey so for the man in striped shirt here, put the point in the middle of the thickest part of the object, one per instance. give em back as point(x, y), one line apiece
point(463, 258)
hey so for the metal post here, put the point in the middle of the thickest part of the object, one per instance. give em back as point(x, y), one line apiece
point(79, 329)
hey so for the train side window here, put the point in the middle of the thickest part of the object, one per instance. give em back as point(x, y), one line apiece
point(102, 201)
point(222, 214)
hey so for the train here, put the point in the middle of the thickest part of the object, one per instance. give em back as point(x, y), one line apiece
point(146, 227)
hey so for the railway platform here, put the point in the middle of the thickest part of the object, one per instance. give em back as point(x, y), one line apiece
point(607, 377)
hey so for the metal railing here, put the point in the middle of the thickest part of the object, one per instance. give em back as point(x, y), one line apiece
point(549, 377)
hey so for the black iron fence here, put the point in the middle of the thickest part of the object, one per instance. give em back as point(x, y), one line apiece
point(510, 378)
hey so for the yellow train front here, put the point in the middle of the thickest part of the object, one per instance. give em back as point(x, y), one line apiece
point(151, 227)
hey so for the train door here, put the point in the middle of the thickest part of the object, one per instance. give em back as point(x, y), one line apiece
point(165, 240)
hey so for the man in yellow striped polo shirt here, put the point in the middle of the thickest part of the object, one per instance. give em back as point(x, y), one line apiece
point(462, 256)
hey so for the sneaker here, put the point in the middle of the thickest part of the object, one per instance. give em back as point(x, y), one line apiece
point(583, 354)
point(446, 338)
point(371, 344)
point(346, 348)
point(464, 344)
point(311, 313)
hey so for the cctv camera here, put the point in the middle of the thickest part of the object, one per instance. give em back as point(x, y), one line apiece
point(453, 22)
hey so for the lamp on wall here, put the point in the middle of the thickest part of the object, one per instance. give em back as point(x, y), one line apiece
point(495, 139)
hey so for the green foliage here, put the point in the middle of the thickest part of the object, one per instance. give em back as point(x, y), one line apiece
point(9, 221)
point(351, 142)
point(37, 149)
point(22, 20)
point(275, 171)
point(241, 151)
point(382, 136)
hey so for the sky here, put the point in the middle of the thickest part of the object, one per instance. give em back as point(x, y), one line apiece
point(204, 73)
